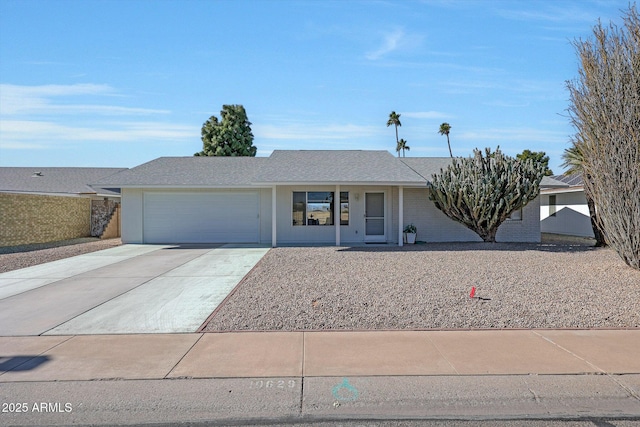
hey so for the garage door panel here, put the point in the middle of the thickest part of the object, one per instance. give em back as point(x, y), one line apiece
point(201, 217)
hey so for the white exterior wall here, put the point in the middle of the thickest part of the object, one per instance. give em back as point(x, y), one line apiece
point(572, 215)
point(133, 211)
point(435, 226)
point(131, 215)
point(432, 224)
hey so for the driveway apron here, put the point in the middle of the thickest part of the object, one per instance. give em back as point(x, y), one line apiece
point(128, 289)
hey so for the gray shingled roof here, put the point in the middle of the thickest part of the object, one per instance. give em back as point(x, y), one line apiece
point(189, 172)
point(55, 180)
point(336, 166)
point(574, 180)
point(282, 167)
point(552, 182)
point(427, 166)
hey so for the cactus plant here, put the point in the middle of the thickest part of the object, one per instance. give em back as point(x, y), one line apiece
point(481, 192)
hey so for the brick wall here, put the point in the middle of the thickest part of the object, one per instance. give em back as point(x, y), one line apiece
point(435, 226)
point(26, 218)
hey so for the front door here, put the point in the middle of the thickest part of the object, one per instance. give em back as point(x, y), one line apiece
point(374, 221)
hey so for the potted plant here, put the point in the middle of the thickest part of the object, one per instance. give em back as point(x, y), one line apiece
point(410, 232)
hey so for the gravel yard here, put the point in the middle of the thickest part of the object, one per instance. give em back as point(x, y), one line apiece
point(559, 283)
point(15, 257)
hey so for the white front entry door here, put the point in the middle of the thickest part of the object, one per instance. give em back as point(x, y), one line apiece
point(374, 220)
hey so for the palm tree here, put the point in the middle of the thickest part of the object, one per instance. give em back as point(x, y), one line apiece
point(402, 145)
point(444, 130)
point(394, 119)
point(574, 160)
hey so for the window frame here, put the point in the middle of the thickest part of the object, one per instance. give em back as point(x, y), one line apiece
point(344, 199)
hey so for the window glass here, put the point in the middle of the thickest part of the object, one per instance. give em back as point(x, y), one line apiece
point(299, 207)
point(313, 208)
point(320, 208)
point(344, 208)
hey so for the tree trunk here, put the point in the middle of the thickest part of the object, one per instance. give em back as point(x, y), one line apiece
point(489, 235)
point(597, 233)
point(448, 144)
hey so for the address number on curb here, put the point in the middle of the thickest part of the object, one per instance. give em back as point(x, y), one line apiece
point(272, 384)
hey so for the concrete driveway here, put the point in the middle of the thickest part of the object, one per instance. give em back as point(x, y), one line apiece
point(123, 290)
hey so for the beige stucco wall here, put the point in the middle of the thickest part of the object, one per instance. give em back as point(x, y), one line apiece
point(26, 218)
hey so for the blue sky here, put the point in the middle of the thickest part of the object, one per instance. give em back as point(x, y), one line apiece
point(118, 83)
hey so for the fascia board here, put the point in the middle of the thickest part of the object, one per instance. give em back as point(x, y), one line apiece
point(352, 183)
point(561, 190)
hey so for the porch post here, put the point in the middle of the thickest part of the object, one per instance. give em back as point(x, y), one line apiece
point(400, 215)
point(274, 239)
point(336, 214)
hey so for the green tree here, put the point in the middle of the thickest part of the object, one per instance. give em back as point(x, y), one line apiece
point(231, 136)
point(573, 160)
point(536, 156)
point(445, 128)
point(605, 112)
point(402, 145)
point(481, 192)
point(394, 119)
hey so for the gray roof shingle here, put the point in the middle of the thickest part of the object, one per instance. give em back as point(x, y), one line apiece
point(336, 166)
point(55, 180)
point(282, 167)
point(189, 172)
point(427, 166)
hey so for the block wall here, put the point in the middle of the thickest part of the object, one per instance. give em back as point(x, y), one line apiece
point(435, 226)
point(26, 218)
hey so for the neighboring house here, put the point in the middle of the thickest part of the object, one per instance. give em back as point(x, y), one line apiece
point(47, 204)
point(563, 206)
point(293, 197)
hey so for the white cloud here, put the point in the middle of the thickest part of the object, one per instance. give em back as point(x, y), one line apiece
point(30, 100)
point(29, 134)
point(312, 131)
point(390, 43)
point(394, 41)
point(426, 115)
point(514, 135)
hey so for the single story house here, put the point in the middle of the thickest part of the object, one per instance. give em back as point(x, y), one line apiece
point(293, 197)
point(40, 205)
point(563, 206)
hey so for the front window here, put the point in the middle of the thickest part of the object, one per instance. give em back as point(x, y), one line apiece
point(317, 208)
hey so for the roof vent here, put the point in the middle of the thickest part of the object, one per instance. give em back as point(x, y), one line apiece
point(36, 174)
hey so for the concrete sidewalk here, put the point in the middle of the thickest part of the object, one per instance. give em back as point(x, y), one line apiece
point(240, 377)
point(319, 354)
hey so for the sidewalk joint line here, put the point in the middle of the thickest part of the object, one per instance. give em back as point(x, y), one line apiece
point(442, 354)
point(629, 391)
point(183, 356)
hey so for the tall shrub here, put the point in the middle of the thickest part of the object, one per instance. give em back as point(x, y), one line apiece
point(481, 192)
point(605, 112)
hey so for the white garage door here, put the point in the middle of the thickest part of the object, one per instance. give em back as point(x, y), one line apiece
point(201, 217)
